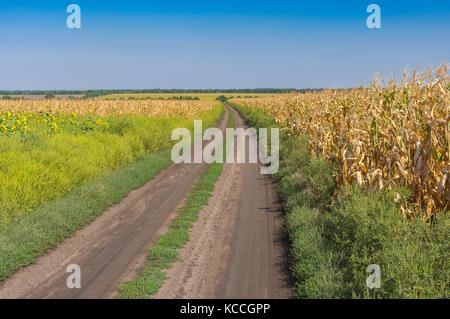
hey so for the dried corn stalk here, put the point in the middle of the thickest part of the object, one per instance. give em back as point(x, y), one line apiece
point(380, 136)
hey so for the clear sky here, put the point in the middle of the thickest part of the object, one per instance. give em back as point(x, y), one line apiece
point(216, 44)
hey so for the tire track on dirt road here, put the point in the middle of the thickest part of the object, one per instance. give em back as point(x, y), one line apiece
point(113, 248)
point(237, 248)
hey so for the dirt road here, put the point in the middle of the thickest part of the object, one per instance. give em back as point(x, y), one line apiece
point(236, 248)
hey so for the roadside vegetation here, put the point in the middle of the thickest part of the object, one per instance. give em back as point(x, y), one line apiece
point(337, 229)
point(165, 250)
point(60, 169)
point(28, 236)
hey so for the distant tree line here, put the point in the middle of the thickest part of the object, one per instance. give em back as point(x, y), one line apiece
point(178, 98)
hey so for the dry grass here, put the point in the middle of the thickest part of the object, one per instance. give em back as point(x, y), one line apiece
point(381, 136)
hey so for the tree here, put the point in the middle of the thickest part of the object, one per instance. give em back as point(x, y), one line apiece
point(222, 98)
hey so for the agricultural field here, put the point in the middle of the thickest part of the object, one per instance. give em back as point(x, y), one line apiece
point(181, 96)
point(201, 151)
point(364, 179)
point(378, 137)
point(50, 147)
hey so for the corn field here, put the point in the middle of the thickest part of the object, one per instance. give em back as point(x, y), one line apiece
point(381, 136)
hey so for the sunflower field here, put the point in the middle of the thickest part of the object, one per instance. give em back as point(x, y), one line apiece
point(49, 147)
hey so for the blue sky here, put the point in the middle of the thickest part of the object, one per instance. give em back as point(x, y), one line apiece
point(216, 44)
